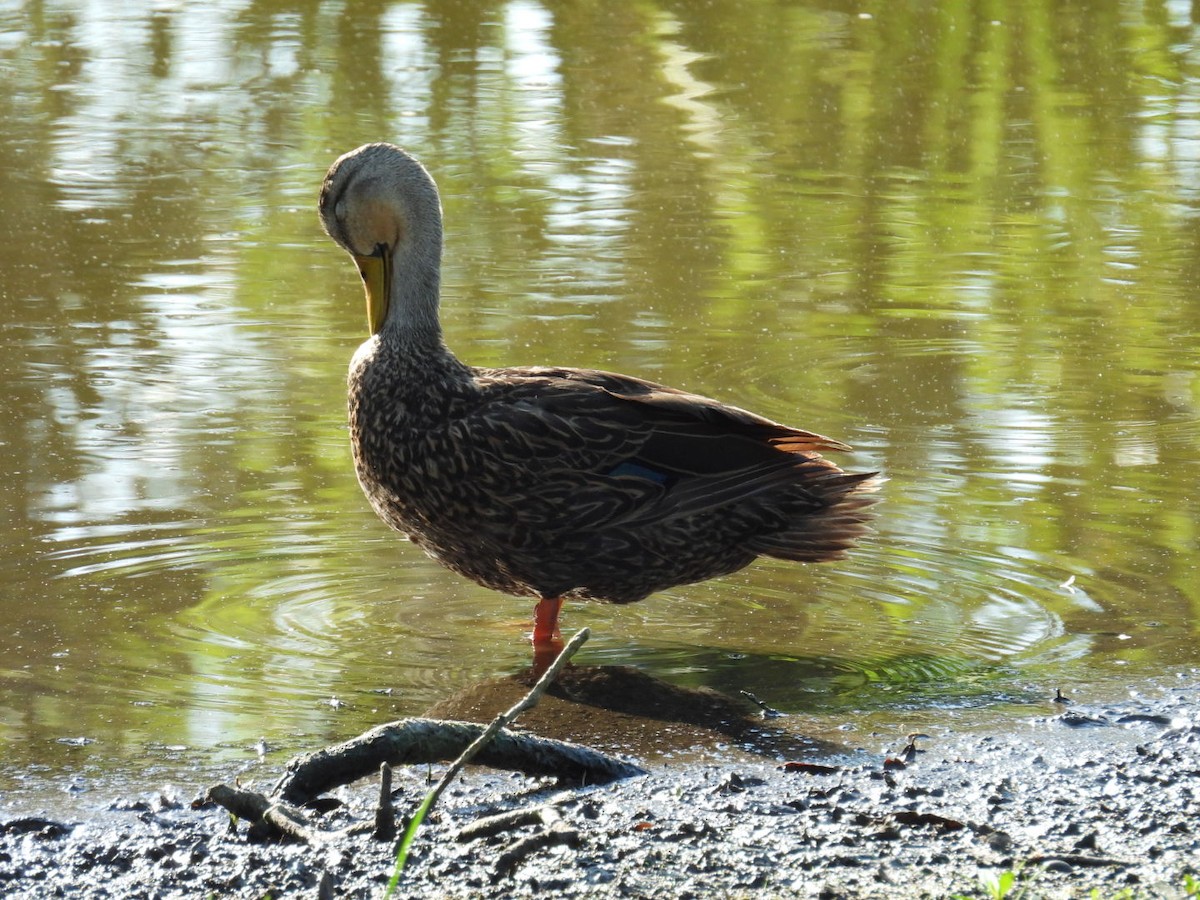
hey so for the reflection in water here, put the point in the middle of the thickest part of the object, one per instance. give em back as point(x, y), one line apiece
point(626, 711)
point(966, 242)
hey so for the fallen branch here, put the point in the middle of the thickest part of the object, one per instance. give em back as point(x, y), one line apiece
point(416, 740)
point(413, 741)
point(477, 746)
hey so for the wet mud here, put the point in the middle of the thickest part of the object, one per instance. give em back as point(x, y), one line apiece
point(1103, 798)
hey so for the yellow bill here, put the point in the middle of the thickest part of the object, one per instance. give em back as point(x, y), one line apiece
point(376, 271)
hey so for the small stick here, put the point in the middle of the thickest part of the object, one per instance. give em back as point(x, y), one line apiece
point(529, 701)
point(385, 816)
point(556, 834)
point(257, 808)
point(768, 712)
point(493, 825)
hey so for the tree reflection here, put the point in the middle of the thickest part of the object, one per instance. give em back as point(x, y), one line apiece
point(963, 236)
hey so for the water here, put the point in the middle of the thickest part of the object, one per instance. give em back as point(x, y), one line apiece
point(965, 241)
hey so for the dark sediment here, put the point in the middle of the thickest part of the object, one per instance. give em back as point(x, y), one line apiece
point(1103, 797)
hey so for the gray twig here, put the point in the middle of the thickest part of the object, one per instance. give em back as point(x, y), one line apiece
point(529, 701)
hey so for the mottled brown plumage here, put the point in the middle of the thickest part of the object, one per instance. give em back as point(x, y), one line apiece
point(553, 482)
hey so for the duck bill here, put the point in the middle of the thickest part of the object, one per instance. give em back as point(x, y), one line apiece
point(376, 271)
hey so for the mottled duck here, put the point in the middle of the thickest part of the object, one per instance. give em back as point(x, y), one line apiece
point(548, 482)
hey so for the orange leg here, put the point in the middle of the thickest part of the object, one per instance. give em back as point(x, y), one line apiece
point(547, 641)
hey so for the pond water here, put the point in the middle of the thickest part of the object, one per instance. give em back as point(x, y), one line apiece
point(964, 238)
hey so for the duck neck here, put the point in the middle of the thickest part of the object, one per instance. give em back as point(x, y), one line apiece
point(412, 316)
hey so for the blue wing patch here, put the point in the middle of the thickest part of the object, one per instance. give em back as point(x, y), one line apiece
point(636, 470)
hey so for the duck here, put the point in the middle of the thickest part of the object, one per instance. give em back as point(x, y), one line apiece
point(547, 482)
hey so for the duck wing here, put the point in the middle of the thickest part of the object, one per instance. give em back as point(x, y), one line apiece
point(608, 450)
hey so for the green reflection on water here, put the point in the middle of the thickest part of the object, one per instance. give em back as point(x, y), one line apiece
point(964, 239)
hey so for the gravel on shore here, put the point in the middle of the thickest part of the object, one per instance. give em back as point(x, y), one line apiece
point(1105, 798)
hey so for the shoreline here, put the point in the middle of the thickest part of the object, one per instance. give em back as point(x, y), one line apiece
point(1105, 796)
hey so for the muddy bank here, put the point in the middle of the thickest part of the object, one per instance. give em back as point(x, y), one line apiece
point(1101, 797)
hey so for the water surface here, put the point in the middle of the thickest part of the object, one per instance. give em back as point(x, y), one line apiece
point(965, 241)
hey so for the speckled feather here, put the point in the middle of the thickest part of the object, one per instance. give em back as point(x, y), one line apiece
point(555, 482)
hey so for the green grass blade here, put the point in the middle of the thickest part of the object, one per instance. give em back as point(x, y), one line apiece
point(406, 840)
